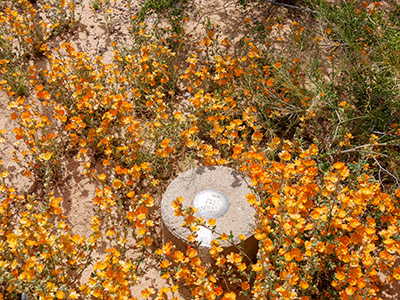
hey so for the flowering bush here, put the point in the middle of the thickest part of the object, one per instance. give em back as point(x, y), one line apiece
point(326, 228)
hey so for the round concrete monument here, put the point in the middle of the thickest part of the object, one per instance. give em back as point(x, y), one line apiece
point(218, 193)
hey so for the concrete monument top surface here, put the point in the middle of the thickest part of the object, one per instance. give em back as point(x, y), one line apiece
point(218, 193)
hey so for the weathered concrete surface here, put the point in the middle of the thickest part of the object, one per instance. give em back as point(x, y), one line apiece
point(238, 219)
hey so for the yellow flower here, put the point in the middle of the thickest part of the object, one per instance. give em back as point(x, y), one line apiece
point(111, 232)
point(45, 156)
point(224, 237)
point(321, 247)
point(131, 194)
point(147, 292)
point(257, 136)
point(338, 165)
point(304, 284)
point(12, 240)
point(164, 290)
point(174, 288)
point(40, 267)
point(60, 295)
point(350, 290)
point(116, 184)
point(257, 267)
point(211, 222)
point(229, 296)
point(268, 245)
point(242, 267)
point(289, 256)
point(234, 258)
point(260, 235)
point(141, 231)
point(164, 264)
point(245, 285)
point(164, 144)
point(102, 176)
point(285, 155)
point(396, 273)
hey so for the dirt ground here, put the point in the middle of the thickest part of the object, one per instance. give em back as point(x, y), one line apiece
point(93, 38)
